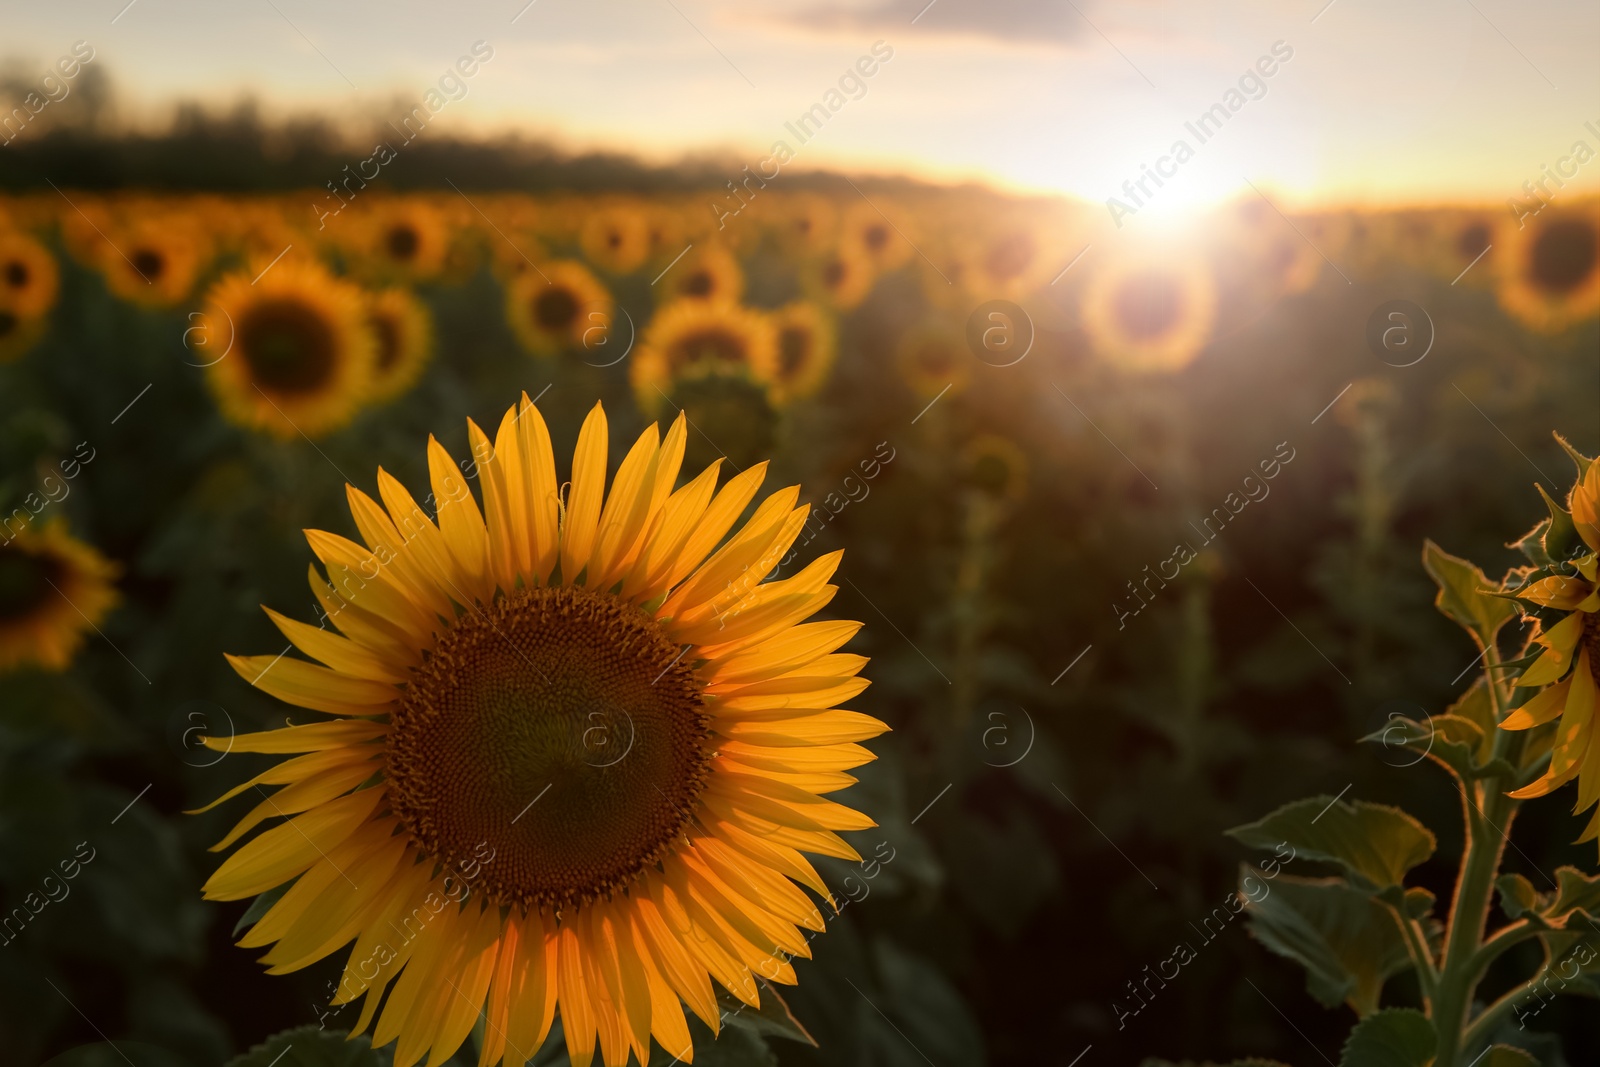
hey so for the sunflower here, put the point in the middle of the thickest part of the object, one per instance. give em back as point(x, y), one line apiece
point(575, 752)
point(1149, 313)
point(18, 333)
point(616, 238)
point(1009, 263)
point(693, 333)
point(406, 238)
point(995, 467)
point(1567, 672)
point(402, 335)
point(806, 224)
point(1551, 270)
point(53, 589)
point(558, 307)
point(298, 351)
point(154, 261)
point(805, 345)
point(841, 278)
point(934, 359)
point(879, 236)
point(709, 273)
point(29, 277)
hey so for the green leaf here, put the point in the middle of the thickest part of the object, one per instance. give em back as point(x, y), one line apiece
point(1394, 1037)
point(1348, 942)
point(1507, 1056)
point(1576, 893)
point(1457, 743)
point(1463, 594)
point(259, 907)
point(1517, 895)
point(311, 1047)
point(1560, 536)
point(1579, 460)
point(773, 1018)
point(1375, 843)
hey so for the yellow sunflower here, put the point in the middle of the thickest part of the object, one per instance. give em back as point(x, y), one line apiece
point(1150, 313)
point(29, 277)
point(709, 272)
point(693, 333)
point(18, 333)
point(1568, 670)
point(840, 278)
point(806, 224)
point(878, 231)
point(934, 359)
point(53, 590)
point(560, 306)
point(402, 335)
point(616, 238)
point(298, 351)
point(406, 238)
point(805, 344)
point(575, 751)
point(1550, 273)
point(155, 260)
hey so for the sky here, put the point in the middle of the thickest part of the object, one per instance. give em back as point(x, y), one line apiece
point(1376, 102)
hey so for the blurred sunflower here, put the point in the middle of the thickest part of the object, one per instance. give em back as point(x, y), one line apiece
point(1551, 269)
point(840, 278)
point(1568, 670)
point(154, 261)
point(877, 235)
point(934, 359)
point(556, 307)
point(1008, 263)
point(806, 224)
point(710, 273)
point(465, 819)
point(996, 467)
point(693, 333)
point(18, 333)
point(616, 238)
point(53, 590)
point(406, 238)
point(299, 353)
point(402, 335)
point(805, 346)
point(1148, 313)
point(29, 277)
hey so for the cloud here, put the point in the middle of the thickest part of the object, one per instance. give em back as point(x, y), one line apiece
point(1050, 23)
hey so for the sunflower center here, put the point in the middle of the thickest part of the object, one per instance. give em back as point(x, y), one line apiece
point(876, 237)
point(1563, 255)
point(560, 728)
point(8, 323)
point(1591, 641)
point(713, 343)
point(288, 346)
point(401, 242)
point(555, 308)
point(149, 263)
point(16, 274)
point(1148, 306)
point(833, 274)
point(25, 583)
point(698, 283)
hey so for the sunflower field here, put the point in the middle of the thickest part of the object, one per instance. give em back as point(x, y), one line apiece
point(437, 628)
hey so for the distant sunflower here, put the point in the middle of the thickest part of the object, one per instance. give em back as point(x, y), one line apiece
point(53, 590)
point(878, 232)
point(616, 238)
point(692, 333)
point(805, 346)
point(1149, 313)
point(299, 353)
point(840, 278)
point(407, 238)
point(1551, 270)
point(1008, 263)
point(996, 467)
point(934, 359)
point(154, 261)
point(402, 335)
point(576, 751)
point(18, 333)
point(710, 272)
point(806, 224)
point(558, 307)
point(29, 277)
point(1568, 670)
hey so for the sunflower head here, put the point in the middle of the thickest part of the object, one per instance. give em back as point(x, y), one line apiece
point(616, 238)
point(298, 349)
point(841, 277)
point(1550, 273)
point(1562, 591)
point(29, 277)
point(1150, 314)
point(558, 307)
point(694, 335)
point(710, 273)
point(934, 359)
point(805, 343)
point(154, 260)
point(53, 589)
point(407, 239)
point(576, 745)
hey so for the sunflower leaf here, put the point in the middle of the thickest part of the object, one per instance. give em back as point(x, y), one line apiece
point(1348, 942)
point(1394, 1037)
point(312, 1047)
point(1374, 843)
point(772, 1019)
point(1509, 1056)
point(1517, 896)
point(1463, 594)
point(259, 907)
point(1561, 535)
